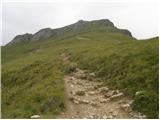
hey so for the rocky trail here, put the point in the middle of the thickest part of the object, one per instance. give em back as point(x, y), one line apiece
point(88, 98)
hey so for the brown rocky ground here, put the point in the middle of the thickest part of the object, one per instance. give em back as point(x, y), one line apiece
point(88, 98)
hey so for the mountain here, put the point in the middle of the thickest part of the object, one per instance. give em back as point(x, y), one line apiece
point(22, 38)
point(33, 71)
point(78, 27)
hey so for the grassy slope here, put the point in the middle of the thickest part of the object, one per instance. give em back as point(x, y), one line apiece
point(34, 72)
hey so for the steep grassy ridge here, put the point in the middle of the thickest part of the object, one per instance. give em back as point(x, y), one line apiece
point(32, 74)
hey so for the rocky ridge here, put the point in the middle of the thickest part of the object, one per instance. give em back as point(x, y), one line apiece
point(78, 27)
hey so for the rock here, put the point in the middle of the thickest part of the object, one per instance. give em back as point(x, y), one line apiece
point(91, 116)
point(91, 93)
point(79, 71)
point(126, 107)
point(89, 88)
point(21, 38)
point(76, 102)
point(35, 116)
point(95, 87)
point(130, 102)
point(80, 93)
point(140, 93)
point(93, 103)
point(105, 117)
point(73, 92)
point(100, 85)
point(71, 98)
point(42, 34)
point(89, 78)
point(72, 86)
point(104, 100)
point(122, 102)
point(114, 113)
point(137, 116)
point(116, 96)
point(142, 117)
point(92, 74)
point(104, 89)
point(117, 107)
point(117, 92)
point(79, 83)
point(109, 93)
point(80, 75)
point(72, 78)
point(86, 95)
point(74, 82)
point(110, 117)
point(85, 101)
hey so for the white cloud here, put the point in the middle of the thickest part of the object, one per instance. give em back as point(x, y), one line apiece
point(18, 18)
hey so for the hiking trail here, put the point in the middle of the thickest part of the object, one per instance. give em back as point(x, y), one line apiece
point(86, 97)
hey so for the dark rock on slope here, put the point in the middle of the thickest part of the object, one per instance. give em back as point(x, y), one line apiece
point(21, 38)
point(42, 34)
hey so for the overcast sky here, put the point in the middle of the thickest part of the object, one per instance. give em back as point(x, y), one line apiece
point(20, 18)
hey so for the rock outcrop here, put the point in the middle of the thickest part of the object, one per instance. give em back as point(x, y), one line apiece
point(43, 34)
point(21, 38)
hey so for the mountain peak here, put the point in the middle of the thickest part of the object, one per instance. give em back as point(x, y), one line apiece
point(79, 27)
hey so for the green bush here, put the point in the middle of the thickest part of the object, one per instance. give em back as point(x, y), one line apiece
point(147, 103)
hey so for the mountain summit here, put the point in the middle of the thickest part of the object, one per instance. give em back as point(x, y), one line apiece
point(78, 27)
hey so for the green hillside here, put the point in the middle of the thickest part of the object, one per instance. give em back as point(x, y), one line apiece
point(32, 73)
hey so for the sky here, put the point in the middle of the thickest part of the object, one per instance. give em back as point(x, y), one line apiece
point(140, 18)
